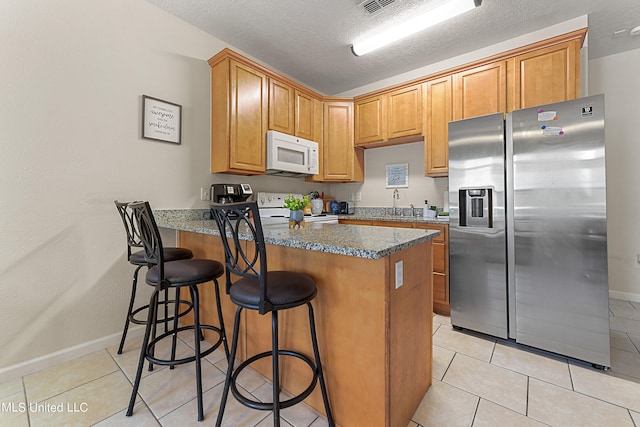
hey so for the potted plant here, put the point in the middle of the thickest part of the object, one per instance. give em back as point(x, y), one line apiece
point(295, 206)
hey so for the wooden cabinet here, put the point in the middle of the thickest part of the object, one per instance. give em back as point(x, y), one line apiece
point(439, 112)
point(479, 91)
point(304, 116)
point(544, 76)
point(440, 267)
point(281, 107)
point(370, 120)
point(405, 111)
point(440, 257)
point(341, 161)
point(238, 118)
point(390, 115)
point(291, 110)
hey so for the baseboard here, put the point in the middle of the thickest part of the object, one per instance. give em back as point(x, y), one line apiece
point(624, 296)
point(21, 369)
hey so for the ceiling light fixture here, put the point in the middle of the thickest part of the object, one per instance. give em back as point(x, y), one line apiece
point(635, 31)
point(428, 19)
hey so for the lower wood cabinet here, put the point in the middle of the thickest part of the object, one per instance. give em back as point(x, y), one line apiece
point(440, 257)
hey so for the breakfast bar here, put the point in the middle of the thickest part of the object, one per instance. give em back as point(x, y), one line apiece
point(373, 312)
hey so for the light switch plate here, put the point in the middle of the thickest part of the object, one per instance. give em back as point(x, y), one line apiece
point(399, 275)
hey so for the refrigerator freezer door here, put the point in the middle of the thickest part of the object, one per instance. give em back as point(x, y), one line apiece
point(560, 229)
point(478, 290)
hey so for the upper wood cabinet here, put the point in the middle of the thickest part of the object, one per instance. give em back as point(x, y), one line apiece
point(291, 110)
point(341, 162)
point(238, 118)
point(439, 112)
point(370, 120)
point(480, 91)
point(390, 115)
point(545, 76)
point(305, 109)
point(281, 107)
point(405, 111)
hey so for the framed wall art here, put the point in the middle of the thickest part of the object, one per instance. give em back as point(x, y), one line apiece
point(398, 175)
point(161, 120)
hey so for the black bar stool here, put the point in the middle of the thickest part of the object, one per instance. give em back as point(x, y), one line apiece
point(256, 288)
point(175, 274)
point(139, 260)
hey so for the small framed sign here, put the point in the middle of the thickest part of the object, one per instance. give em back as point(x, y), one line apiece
point(161, 120)
point(398, 175)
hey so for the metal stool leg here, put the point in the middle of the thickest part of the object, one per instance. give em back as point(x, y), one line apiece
point(131, 302)
point(275, 369)
point(230, 361)
point(143, 349)
point(196, 335)
point(220, 318)
point(316, 352)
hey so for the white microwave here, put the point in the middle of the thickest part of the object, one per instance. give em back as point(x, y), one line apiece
point(288, 155)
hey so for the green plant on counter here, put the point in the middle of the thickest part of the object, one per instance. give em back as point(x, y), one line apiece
point(296, 203)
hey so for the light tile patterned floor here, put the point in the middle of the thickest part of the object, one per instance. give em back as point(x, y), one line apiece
point(477, 381)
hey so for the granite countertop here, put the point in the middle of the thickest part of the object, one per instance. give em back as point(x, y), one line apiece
point(396, 218)
point(342, 239)
point(404, 215)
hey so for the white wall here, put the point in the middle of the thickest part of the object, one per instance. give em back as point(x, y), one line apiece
point(73, 74)
point(374, 191)
point(617, 77)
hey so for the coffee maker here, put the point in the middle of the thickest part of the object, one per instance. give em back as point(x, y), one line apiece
point(230, 193)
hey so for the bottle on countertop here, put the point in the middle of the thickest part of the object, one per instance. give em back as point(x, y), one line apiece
point(427, 212)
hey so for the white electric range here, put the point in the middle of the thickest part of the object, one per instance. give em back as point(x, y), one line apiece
point(272, 210)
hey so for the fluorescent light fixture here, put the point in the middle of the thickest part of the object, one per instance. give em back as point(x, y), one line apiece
point(428, 19)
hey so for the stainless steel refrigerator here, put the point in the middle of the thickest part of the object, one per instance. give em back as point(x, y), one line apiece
point(528, 228)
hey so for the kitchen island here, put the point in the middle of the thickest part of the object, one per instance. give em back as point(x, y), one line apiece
point(373, 313)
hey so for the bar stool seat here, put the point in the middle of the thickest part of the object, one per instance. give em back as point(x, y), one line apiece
point(257, 288)
point(163, 275)
point(286, 289)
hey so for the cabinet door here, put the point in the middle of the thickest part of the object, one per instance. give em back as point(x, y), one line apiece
point(405, 111)
point(370, 119)
point(304, 116)
point(248, 117)
point(547, 75)
point(480, 91)
point(338, 150)
point(281, 107)
point(438, 116)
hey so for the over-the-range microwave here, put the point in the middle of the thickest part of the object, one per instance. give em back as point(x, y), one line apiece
point(288, 155)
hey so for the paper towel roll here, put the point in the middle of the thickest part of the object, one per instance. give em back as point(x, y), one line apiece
point(445, 205)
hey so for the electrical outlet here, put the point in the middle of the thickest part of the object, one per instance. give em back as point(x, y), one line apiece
point(399, 275)
point(358, 196)
point(205, 193)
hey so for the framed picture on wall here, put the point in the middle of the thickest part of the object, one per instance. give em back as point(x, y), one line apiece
point(161, 120)
point(398, 175)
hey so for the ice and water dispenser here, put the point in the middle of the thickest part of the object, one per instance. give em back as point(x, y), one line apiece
point(476, 207)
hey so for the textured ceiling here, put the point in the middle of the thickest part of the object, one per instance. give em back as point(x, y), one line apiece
point(310, 40)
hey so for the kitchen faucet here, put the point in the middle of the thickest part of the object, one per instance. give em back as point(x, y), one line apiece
point(396, 196)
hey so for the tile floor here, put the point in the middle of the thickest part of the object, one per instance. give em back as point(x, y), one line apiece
point(477, 381)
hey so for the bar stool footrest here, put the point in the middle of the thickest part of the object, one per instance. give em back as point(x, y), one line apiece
point(187, 310)
point(167, 362)
point(268, 406)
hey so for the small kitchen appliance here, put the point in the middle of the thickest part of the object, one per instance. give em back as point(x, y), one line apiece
point(230, 193)
point(291, 156)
